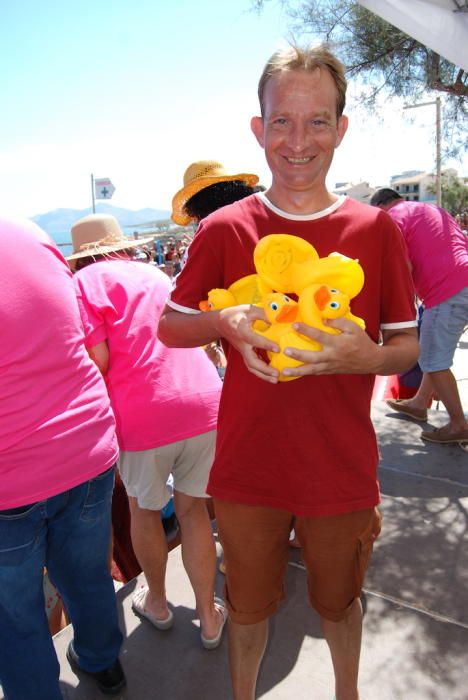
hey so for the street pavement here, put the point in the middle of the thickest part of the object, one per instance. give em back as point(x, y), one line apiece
point(415, 601)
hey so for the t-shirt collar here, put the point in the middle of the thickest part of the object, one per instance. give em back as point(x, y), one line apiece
point(301, 217)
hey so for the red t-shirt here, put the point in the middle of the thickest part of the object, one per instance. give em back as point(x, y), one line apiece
point(307, 446)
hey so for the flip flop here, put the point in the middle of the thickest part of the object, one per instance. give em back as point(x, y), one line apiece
point(401, 406)
point(214, 642)
point(444, 437)
point(138, 606)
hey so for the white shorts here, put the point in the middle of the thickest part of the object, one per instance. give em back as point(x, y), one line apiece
point(145, 474)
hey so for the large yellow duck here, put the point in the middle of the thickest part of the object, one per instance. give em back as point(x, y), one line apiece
point(289, 264)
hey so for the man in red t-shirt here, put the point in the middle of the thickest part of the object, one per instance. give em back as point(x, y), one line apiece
point(300, 449)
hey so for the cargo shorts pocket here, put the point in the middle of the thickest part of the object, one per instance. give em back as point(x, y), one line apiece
point(366, 544)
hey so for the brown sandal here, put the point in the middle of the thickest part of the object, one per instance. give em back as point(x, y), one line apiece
point(401, 406)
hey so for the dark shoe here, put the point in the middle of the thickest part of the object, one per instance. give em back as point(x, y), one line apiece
point(110, 681)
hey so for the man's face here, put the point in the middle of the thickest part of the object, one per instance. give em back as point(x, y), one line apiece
point(299, 130)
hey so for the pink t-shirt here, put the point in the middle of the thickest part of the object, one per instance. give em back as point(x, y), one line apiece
point(437, 249)
point(159, 395)
point(56, 426)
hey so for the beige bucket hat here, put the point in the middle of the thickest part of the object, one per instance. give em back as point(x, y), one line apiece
point(199, 175)
point(98, 234)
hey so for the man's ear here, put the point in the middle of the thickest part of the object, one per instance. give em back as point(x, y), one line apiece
point(341, 129)
point(256, 124)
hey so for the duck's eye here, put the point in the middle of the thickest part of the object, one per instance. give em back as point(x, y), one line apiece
point(334, 305)
point(333, 291)
point(286, 299)
point(210, 304)
point(274, 306)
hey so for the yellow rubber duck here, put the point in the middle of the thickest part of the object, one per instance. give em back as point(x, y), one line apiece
point(284, 263)
point(281, 313)
point(319, 301)
point(246, 290)
point(289, 264)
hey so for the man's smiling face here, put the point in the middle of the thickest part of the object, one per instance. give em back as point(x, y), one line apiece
point(299, 130)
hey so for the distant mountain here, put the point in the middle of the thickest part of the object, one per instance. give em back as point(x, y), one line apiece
point(61, 220)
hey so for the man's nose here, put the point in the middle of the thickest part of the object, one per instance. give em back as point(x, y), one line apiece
point(298, 137)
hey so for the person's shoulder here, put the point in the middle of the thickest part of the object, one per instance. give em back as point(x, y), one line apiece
point(103, 273)
point(230, 213)
point(139, 270)
point(363, 212)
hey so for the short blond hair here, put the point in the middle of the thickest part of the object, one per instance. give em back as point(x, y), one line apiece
point(293, 58)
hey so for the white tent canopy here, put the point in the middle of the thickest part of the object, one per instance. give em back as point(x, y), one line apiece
point(442, 25)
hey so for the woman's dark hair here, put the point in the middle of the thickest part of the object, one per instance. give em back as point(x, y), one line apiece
point(216, 196)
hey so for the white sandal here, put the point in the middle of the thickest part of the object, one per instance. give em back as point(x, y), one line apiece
point(214, 642)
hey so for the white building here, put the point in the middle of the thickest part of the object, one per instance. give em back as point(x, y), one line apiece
point(413, 185)
point(360, 191)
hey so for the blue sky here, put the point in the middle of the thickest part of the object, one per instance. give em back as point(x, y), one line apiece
point(136, 91)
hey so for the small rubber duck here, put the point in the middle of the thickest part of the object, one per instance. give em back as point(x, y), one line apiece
point(319, 301)
point(246, 290)
point(217, 299)
point(281, 313)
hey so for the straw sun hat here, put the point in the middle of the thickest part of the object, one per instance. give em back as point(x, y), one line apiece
point(199, 175)
point(98, 234)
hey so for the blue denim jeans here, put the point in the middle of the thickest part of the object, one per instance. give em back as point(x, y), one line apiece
point(70, 535)
point(441, 328)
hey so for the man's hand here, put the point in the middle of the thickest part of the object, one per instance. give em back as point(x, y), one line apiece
point(235, 325)
point(348, 352)
point(353, 352)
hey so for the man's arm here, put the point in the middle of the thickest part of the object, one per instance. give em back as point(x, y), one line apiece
point(187, 330)
point(100, 355)
point(353, 352)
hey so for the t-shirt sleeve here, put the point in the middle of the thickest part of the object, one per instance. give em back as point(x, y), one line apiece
point(398, 307)
point(201, 272)
point(91, 317)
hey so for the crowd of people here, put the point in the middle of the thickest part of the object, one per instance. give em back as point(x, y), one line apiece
point(106, 366)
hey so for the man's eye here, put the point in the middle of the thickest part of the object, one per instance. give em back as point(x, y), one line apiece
point(280, 121)
point(319, 123)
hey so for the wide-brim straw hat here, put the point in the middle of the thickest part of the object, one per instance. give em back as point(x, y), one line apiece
point(99, 234)
point(199, 175)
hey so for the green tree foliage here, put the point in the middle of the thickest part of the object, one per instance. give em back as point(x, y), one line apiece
point(385, 59)
point(454, 193)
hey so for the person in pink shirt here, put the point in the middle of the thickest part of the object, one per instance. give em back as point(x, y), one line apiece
point(438, 254)
point(57, 453)
point(166, 407)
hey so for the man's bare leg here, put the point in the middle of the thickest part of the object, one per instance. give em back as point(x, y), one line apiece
point(423, 395)
point(247, 644)
point(199, 558)
point(149, 543)
point(446, 388)
point(344, 641)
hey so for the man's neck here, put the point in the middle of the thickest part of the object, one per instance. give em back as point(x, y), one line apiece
point(302, 203)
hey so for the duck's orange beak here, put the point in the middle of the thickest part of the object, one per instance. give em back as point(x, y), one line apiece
point(203, 305)
point(287, 314)
point(322, 297)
